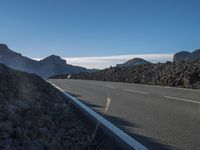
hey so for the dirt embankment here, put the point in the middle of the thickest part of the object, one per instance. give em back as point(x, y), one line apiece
point(36, 116)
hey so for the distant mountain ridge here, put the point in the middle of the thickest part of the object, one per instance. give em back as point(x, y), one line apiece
point(187, 56)
point(49, 66)
point(133, 62)
point(183, 72)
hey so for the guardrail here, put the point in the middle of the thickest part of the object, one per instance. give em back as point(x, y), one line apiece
point(124, 140)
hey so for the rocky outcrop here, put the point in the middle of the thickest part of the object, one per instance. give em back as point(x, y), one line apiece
point(187, 56)
point(36, 116)
point(133, 62)
point(49, 66)
point(182, 74)
point(53, 59)
point(196, 55)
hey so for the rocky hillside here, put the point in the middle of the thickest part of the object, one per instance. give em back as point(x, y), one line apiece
point(187, 56)
point(133, 62)
point(36, 116)
point(49, 66)
point(183, 74)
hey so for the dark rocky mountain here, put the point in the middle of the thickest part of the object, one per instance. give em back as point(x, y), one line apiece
point(49, 66)
point(133, 62)
point(36, 116)
point(181, 74)
point(187, 56)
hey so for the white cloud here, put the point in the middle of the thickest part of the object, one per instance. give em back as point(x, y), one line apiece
point(38, 59)
point(101, 62)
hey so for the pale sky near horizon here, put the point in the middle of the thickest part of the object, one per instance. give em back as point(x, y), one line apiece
point(99, 28)
point(102, 62)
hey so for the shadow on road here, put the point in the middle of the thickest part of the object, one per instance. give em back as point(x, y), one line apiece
point(150, 143)
point(121, 123)
point(78, 96)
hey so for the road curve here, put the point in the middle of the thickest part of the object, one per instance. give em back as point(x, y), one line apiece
point(157, 117)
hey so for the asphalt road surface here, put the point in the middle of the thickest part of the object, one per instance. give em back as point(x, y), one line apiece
point(157, 117)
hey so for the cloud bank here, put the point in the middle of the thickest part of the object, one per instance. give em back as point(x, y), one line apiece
point(102, 62)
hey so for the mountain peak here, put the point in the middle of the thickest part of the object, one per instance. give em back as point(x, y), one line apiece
point(54, 56)
point(3, 46)
point(187, 56)
point(54, 59)
point(49, 66)
point(133, 62)
point(136, 59)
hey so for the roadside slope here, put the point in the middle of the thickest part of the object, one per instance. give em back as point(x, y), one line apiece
point(35, 115)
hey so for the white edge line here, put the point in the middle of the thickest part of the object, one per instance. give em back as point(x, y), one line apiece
point(122, 135)
point(159, 86)
point(181, 99)
point(134, 91)
point(147, 85)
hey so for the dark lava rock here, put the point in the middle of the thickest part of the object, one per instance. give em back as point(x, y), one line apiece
point(182, 74)
point(36, 116)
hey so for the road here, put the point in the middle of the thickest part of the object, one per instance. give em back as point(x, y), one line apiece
point(157, 117)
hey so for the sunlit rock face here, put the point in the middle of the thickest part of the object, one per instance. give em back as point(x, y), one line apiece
point(49, 66)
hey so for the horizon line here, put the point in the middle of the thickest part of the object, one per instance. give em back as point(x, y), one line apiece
point(102, 62)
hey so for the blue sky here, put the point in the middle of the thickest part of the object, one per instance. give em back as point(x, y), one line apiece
point(82, 28)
